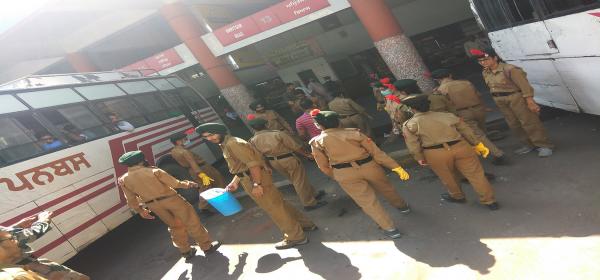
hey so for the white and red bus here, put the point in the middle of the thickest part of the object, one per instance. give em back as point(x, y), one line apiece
point(556, 41)
point(59, 148)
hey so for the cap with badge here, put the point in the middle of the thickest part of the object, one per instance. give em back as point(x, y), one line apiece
point(216, 128)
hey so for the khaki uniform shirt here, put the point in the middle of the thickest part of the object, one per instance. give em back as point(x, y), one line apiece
point(462, 94)
point(274, 143)
point(274, 121)
point(342, 145)
point(240, 155)
point(398, 112)
point(508, 78)
point(346, 107)
point(148, 183)
point(187, 159)
point(440, 103)
point(434, 128)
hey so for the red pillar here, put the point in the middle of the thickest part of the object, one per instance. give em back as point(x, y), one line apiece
point(395, 48)
point(80, 62)
point(190, 32)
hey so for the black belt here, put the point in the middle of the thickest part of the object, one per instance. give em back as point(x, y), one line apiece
point(470, 107)
point(158, 199)
point(498, 94)
point(281, 156)
point(347, 116)
point(348, 164)
point(442, 145)
point(243, 173)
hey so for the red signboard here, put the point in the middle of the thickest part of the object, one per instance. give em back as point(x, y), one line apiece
point(266, 19)
point(294, 9)
point(157, 62)
point(237, 31)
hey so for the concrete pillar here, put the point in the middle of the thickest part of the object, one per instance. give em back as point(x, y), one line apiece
point(80, 62)
point(189, 31)
point(397, 50)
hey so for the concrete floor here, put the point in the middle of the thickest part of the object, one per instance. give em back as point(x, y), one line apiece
point(548, 228)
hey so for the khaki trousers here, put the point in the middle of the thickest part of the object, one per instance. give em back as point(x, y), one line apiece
point(212, 173)
point(287, 218)
point(292, 168)
point(526, 125)
point(361, 182)
point(182, 220)
point(445, 161)
point(475, 118)
point(357, 121)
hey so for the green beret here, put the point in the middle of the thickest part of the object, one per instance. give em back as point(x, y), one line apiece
point(131, 158)
point(216, 128)
point(440, 73)
point(255, 104)
point(404, 84)
point(257, 122)
point(177, 136)
point(416, 100)
point(326, 118)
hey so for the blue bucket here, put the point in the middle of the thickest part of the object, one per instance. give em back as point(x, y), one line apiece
point(222, 200)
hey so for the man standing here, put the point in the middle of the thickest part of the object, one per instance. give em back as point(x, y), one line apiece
point(351, 114)
point(201, 171)
point(469, 106)
point(274, 120)
point(514, 97)
point(250, 170)
point(304, 123)
point(155, 189)
point(14, 250)
point(354, 161)
point(438, 139)
point(279, 148)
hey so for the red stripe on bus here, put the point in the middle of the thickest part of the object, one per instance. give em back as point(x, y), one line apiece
point(84, 199)
point(77, 230)
point(56, 201)
point(170, 131)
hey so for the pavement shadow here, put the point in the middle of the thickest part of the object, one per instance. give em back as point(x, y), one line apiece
point(215, 266)
point(337, 266)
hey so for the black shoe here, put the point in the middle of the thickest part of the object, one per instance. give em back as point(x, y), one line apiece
point(393, 233)
point(448, 198)
point(310, 228)
point(213, 247)
point(494, 206)
point(316, 206)
point(320, 195)
point(189, 254)
point(286, 244)
point(499, 160)
point(405, 210)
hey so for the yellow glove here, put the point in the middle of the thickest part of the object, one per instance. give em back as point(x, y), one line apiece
point(401, 173)
point(482, 150)
point(205, 179)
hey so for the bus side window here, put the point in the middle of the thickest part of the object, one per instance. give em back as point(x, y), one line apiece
point(492, 14)
point(192, 98)
point(154, 110)
point(77, 123)
point(18, 138)
point(552, 7)
point(124, 109)
point(521, 11)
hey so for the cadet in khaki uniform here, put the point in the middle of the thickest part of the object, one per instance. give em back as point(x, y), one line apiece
point(17, 259)
point(350, 113)
point(274, 120)
point(250, 171)
point(514, 97)
point(204, 173)
point(438, 140)
point(278, 148)
point(155, 188)
point(354, 161)
point(469, 106)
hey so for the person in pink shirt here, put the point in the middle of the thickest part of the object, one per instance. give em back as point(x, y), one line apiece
point(304, 124)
